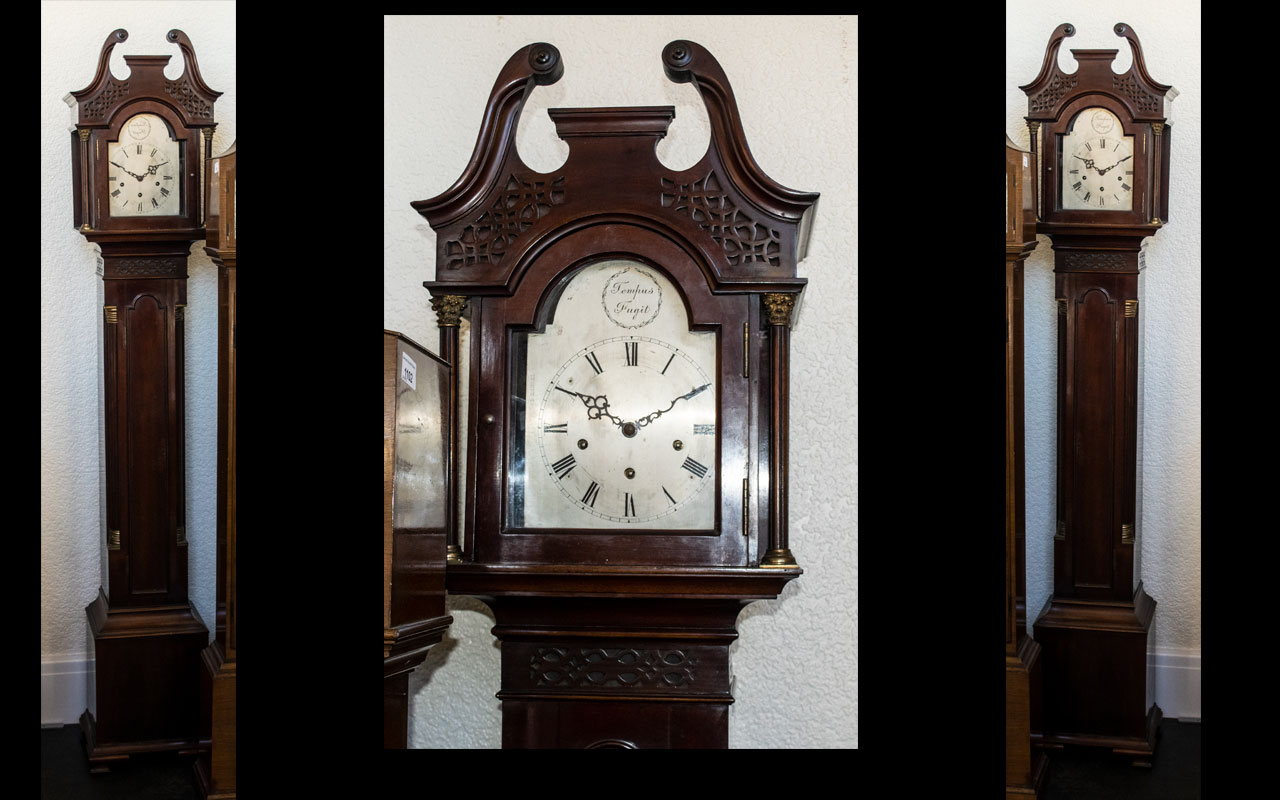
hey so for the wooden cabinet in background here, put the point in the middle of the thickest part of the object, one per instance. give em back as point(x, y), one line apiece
point(215, 768)
point(626, 451)
point(415, 448)
point(1025, 766)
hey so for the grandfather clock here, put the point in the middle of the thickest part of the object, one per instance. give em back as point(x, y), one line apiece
point(135, 164)
point(1025, 768)
point(1104, 144)
point(215, 768)
point(626, 444)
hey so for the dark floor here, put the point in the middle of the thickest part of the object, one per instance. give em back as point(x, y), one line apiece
point(1082, 772)
point(64, 772)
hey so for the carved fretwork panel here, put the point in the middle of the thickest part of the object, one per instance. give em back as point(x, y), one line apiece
point(640, 669)
point(487, 239)
point(96, 108)
point(1144, 101)
point(745, 241)
point(187, 95)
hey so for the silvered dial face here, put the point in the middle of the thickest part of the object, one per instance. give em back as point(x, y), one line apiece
point(1097, 164)
point(620, 408)
point(144, 173)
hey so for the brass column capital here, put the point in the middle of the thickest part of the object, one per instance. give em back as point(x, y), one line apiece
point(778, 307)
point(449, 309)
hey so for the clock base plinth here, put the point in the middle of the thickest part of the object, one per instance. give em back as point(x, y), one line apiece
point(1139, 750)
point(1097, 690)
point(147, 687)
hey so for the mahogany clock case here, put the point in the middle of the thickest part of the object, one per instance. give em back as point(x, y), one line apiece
point(147, 636)
point(1099, 613)
point(611, 637)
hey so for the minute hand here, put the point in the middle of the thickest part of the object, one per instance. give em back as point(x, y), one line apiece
point(1113, 166)
point(645, 420)
point(133, 174)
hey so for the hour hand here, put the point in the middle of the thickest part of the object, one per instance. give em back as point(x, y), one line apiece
point(1088, 162)
point(597, 406)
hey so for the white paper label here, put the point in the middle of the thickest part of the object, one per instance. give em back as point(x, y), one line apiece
point(409, 372)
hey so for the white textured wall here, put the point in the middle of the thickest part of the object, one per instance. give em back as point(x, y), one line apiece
point(797, 92)
point(71, 536)
point(1170, 405)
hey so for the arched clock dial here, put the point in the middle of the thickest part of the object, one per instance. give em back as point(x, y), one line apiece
point(626, 429)
point(1097, 164)
point(144, 172)
point(617, 422)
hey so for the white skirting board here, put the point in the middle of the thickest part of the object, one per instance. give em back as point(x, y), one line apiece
point(64, 689)
point(1175, 674)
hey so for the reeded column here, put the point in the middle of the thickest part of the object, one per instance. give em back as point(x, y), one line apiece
point(449, 310)
point(778, 309)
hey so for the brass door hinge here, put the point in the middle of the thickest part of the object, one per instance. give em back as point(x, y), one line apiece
point(746, 507)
